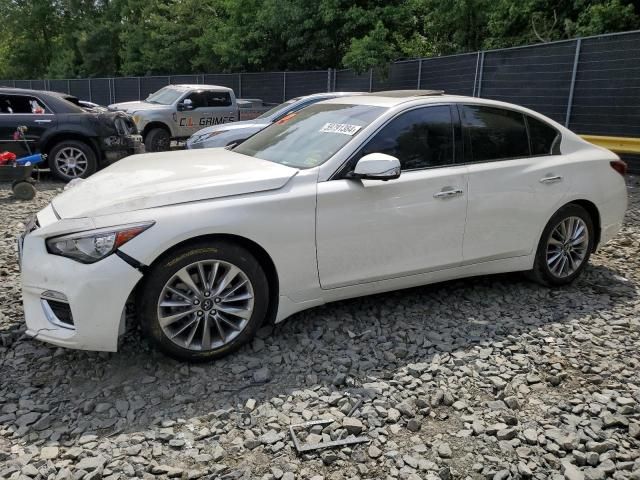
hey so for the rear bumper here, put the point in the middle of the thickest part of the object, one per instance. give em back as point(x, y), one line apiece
point(96, 295)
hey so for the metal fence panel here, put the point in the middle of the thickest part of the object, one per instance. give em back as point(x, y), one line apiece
point(99, 91)
point(184, 79)
point(126, 89)
point(454, 74)
point(59, 86)
point(229, 80)
point(268, 86)
point(606, 99)
point(80, 89)
point(38, 84)
point(305, 83)
point(400, 76)
point(350, 81)
point(22, 84)
point(149, 85)
point(537, 77)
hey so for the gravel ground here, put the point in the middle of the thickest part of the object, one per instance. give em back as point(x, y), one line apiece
point(492, 377)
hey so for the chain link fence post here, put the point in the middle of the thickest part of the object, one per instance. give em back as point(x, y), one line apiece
point(576, 60)
point(480, 74)
point(240, 85)
point(419, 73)
point(284, 86)
point(328, 80)
point(370, 80)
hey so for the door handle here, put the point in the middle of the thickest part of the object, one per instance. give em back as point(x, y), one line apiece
point(452, 192)
point(552, 179)
point(43, 121)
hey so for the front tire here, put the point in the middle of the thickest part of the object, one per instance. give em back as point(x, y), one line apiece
point(71, 159)
point(157, 140)
point(565, 247)
point(204, 301)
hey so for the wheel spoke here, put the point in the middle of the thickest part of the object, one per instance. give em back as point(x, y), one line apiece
point(212, 276)
point(185, 277)
point(236, 312)
point(180, 294)
point(174, 303)
point(203, 277)
point(227, 279)
point(227, 294)
point(223, 336)
point(229, 322)
point(166, 321)
point(205, 343)
point(237, 298)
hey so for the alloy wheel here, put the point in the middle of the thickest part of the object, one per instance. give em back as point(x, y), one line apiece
point(71, 162)
point(205, 305)
point(567, 247)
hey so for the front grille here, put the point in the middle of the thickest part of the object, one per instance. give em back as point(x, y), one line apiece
point(60, 310)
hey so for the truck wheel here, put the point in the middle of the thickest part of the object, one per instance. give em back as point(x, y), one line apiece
point(157, 140)
point(71, 159)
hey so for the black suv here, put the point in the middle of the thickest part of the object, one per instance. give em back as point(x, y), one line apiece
point(77, 140)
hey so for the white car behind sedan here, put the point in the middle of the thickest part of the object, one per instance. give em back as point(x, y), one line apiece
point(347, 197)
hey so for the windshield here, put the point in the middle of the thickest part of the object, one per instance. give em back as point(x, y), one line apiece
point(165, 96)
point(310, 137)
point(273, 110)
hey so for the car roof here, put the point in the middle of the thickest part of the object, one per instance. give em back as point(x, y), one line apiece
point(397, 97)
point(198, 86)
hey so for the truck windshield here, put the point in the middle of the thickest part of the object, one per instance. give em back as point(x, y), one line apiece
point(310, 137)
point(165, 96)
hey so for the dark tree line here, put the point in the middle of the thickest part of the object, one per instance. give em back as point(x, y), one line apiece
point(89, 38)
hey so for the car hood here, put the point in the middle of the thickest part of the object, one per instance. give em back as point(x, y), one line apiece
point(168, 178)
point(131, 107)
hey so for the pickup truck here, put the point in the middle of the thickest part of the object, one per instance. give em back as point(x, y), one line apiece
point(176, 112)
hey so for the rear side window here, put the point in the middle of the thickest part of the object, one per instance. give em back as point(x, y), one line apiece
point(545, 140)
point(420, 138)
point(494, 133)
point(218, 99)
point(21, 104)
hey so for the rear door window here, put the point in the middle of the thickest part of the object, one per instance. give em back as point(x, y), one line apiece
point(218, 99)
point(21, 104)
point(494, 133)
point(419, 138)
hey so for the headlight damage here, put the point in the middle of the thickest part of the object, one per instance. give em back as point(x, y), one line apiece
point(93, 245)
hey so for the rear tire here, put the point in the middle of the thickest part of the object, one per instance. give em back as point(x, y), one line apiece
point(203, 301)
point(157, 140)
point(71, 159)
point(565, 247)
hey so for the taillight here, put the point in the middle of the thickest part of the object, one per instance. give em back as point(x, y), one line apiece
point(619, 166)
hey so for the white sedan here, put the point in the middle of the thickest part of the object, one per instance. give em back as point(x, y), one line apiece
point(348, 197)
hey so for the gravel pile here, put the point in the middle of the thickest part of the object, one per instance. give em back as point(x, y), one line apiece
point(491, 378)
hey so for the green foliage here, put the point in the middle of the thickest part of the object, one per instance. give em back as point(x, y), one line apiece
point(79, 38)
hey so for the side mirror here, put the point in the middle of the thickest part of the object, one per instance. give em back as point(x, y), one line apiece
point(186, 104)
point(377, 166)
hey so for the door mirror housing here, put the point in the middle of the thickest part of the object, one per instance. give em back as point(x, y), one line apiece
point(186, 104)
point(377, 166)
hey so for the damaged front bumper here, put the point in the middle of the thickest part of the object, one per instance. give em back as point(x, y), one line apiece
point(120, 146)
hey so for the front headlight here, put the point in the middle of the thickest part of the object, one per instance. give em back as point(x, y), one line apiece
point(93, 245)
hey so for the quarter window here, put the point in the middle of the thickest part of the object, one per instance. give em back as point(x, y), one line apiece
point(494, 133)
point(545, 140)
point(420, 138)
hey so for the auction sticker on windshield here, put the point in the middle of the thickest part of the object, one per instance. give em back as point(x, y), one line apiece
point(343, 128)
